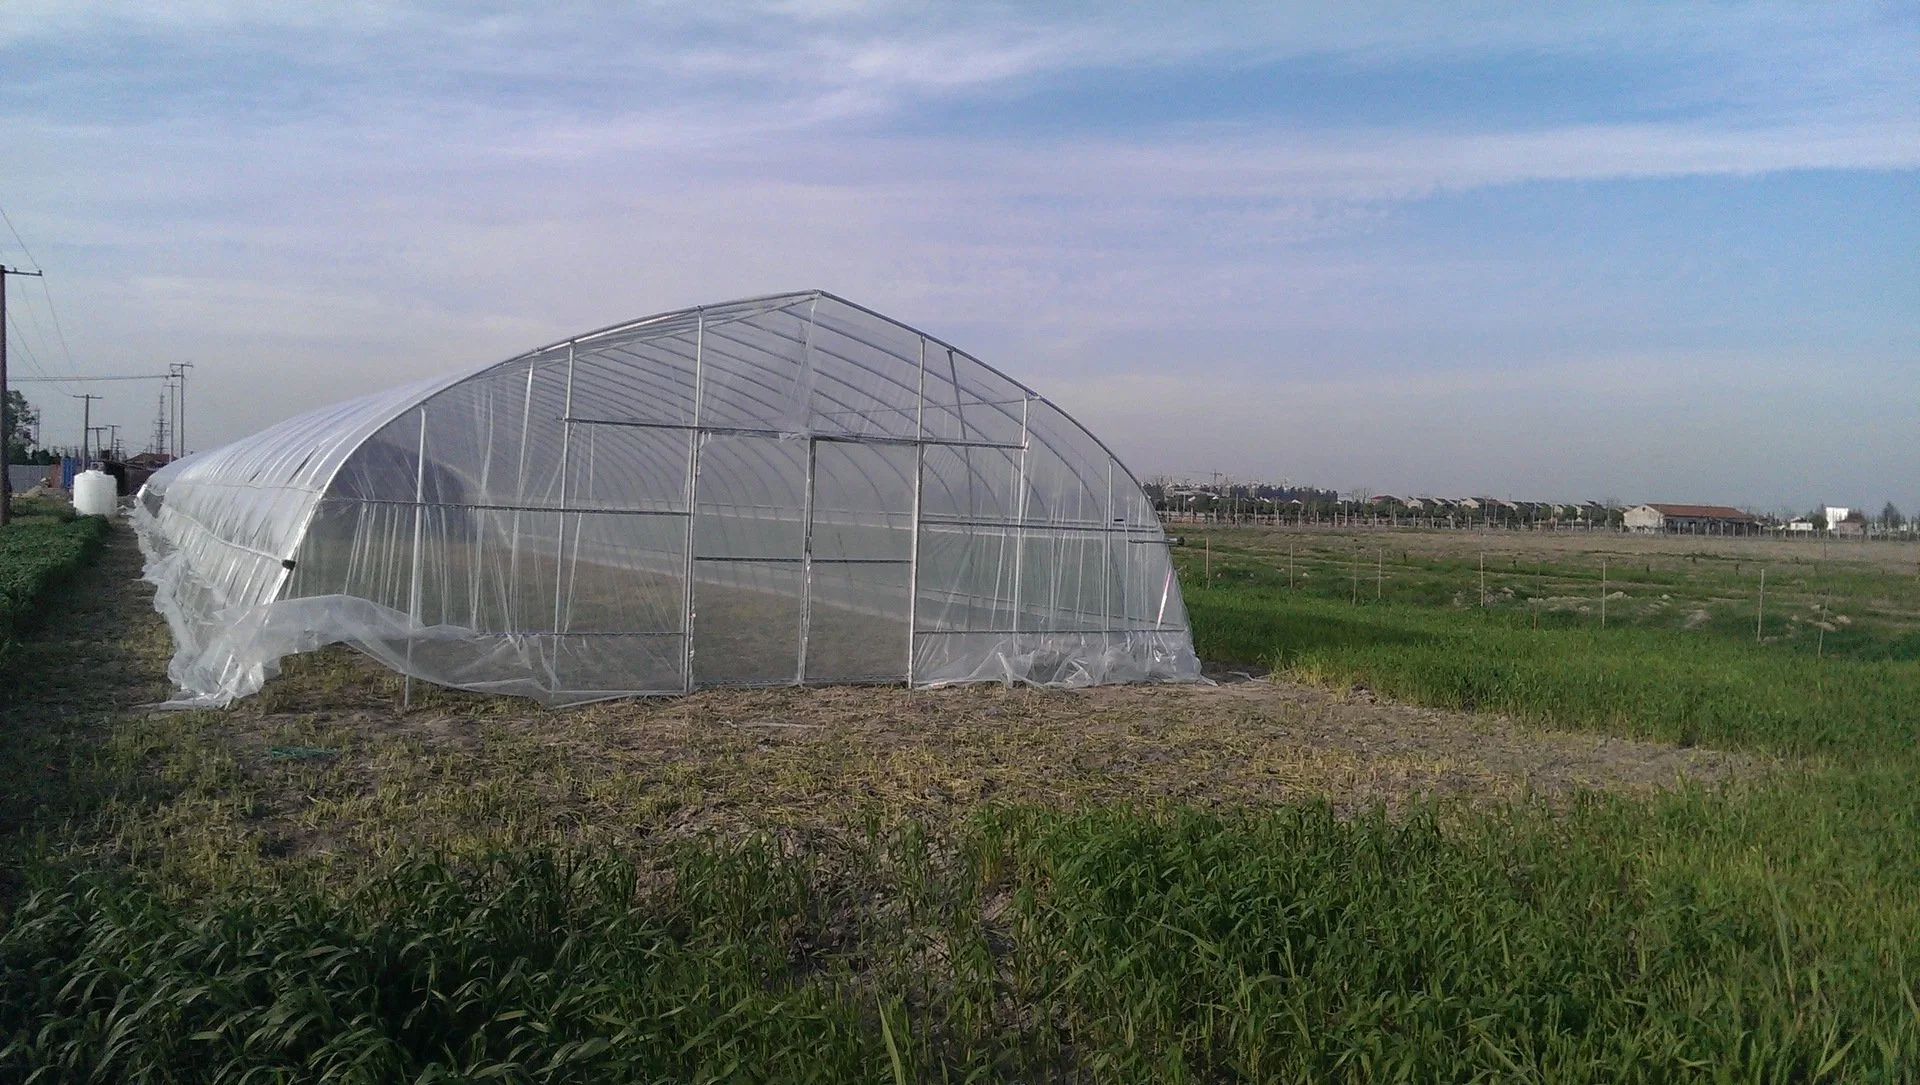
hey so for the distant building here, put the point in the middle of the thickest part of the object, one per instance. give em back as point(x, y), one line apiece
point(1853, 525)
point(23, 477)
point(1689, 520)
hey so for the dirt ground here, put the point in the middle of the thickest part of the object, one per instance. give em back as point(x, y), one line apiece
point(324, 762)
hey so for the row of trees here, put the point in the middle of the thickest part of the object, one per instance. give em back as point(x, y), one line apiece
point(1261, 501)
point(1254, 502)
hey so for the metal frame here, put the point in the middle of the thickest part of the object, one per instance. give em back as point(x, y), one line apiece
point(560, 542)
point(795, 435)
point(1020, 517)
point(413, 589)
point(695, 437)
point(913, 551)
point(805, 397)
point(520, 487)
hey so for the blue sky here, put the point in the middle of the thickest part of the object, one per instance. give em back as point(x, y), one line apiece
point(1646, 252)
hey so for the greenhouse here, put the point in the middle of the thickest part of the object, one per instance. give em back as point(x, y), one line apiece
point(784, 490)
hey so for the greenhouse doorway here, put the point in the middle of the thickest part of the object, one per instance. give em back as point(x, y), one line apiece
point(809, 578)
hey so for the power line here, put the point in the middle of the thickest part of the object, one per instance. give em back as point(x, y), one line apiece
point(114, 377)
point(8, 219)
point(45, 291)
point(32, 361)
point(58, 331)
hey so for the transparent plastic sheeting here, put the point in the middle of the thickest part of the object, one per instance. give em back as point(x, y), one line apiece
point(783, 490)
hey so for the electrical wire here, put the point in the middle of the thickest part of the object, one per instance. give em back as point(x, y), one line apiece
point(47, 293)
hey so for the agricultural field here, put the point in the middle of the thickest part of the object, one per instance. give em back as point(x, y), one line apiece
point(1419, 830)
point(40, 552)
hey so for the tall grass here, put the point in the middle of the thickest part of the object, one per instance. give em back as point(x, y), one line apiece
point(1672, 685)
point(1111, 945)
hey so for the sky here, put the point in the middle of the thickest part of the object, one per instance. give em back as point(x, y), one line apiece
point(1588, 251)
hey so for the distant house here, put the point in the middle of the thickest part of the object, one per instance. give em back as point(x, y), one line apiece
point(1851, 526)
point(1689, 520)
point(1798, 526)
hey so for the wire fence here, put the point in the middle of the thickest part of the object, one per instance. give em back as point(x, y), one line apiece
point(1767, 593)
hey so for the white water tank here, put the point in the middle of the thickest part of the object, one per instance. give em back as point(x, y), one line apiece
point(94, 493)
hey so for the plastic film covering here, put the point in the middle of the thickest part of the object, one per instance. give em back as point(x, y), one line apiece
point(784, 490)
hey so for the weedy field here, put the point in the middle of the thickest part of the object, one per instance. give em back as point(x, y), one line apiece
point(1455, 837)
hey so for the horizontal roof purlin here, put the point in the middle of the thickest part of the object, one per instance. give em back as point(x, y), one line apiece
point(1702, 512)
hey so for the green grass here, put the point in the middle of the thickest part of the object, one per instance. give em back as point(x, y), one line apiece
point(1691, 687)
point(42, 547)
point(1106, 945)
point(1869, 610)
point(1768, 931)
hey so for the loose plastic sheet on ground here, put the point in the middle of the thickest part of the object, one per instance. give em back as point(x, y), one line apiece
point(768, 492)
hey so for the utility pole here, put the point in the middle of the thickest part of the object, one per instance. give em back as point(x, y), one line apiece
point(6, 422)
point(178, 371)
point(86, 426)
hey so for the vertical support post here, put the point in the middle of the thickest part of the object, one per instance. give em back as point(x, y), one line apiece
point(806, 566)
point(804, 396)
point(560, 541)
point(1760, 615)
point(1603, 593)
point(520, 498)
point(1483, 578)
point(693, 497)
point(1108, 540)
point(477, 565)
point(413, 592)
point(1820, 645)
point(913, 546)
point(1020, 513)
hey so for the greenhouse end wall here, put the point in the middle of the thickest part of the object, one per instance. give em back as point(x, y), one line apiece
point(770, 492)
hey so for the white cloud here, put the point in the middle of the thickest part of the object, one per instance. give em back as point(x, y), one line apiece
point(349, 196)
